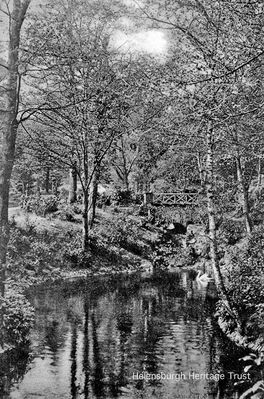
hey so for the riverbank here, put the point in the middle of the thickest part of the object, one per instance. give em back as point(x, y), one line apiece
point(42, 248)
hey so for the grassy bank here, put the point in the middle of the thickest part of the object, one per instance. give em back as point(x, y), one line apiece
point(42, 248)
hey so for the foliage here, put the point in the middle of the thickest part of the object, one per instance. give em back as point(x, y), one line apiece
point(254, 367)
point(168, 251)
point(39, 204)
point(257, 212)
point(244, 274)
point(34, 255)
point(18, 318)
point(125, 232)
point(74, 252)
point(68, 212)
point(122, 197)
point(231, 231)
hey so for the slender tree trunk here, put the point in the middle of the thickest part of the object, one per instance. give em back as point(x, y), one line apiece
point(126, 182)
point(242, 186)
point(201, 169)
point(85, 221)
point(93, 196)
point(210, 189)
point(244, 192)
point(73, 185)
point(47, 180)
point(211, 211)
point(38, 190)
point(259, 172)
point(9, 129)
point(54, 187)
point(125, 168)
point(85, 185)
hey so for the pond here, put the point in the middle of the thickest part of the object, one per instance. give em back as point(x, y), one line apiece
point(123, 337)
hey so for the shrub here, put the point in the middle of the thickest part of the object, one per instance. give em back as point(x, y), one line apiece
point(245, 280)
point(66, 213)
point(122, 230)
point(257, 213)
point(122, 197)
point(41, 205)
point(73, 252)
point(32, 253)
point(18, 318)
point(231, 231)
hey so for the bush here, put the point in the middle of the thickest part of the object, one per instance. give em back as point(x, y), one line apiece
point(18, 318)
point(33, 254)
point(40, 205)
point(123, 230)
point(74, 252)
point(231, 231)
point(68, 213)
point(122, 197)
point(257, 213)
point(245, 280)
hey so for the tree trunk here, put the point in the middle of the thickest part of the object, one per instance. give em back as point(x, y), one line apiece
point(73, 185)
point(201, 169)
point(211, 211)
point(85, 245)
point(259, 172)
point(212, 227)
point(244, 192)
point(9, 129)
point(126, 182)
point(94, 195)
point(55, 187)
point(47, 180)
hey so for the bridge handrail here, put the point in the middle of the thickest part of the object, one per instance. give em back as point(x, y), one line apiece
point(176, 198)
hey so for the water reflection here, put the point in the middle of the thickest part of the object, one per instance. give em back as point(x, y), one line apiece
point(95, 339)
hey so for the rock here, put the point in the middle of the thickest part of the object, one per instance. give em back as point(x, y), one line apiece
point(197, 239)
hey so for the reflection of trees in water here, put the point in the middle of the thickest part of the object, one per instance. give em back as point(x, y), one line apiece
point(97, 382)
point(50, 321)
point(128, 326)
point(124, 327)
point(53, 335)
point(74, 388)
point(14, 365)
point(86, 363)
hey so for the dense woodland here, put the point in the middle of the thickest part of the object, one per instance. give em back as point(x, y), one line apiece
point(82, 109)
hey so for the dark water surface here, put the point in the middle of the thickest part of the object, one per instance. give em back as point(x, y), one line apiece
point(96, 339)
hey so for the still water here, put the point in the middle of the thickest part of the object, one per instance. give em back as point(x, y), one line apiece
point(122, 337)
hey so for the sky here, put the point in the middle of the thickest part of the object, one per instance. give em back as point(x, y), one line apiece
point(152, 42)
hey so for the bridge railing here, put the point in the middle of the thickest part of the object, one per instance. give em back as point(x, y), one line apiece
point(178, 198)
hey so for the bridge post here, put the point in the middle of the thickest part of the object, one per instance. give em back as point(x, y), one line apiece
point(148, 198)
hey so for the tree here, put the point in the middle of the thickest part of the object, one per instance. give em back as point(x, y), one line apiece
point(84, 104)
point(9, 124)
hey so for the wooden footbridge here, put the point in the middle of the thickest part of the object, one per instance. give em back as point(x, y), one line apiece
point(179, 198)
